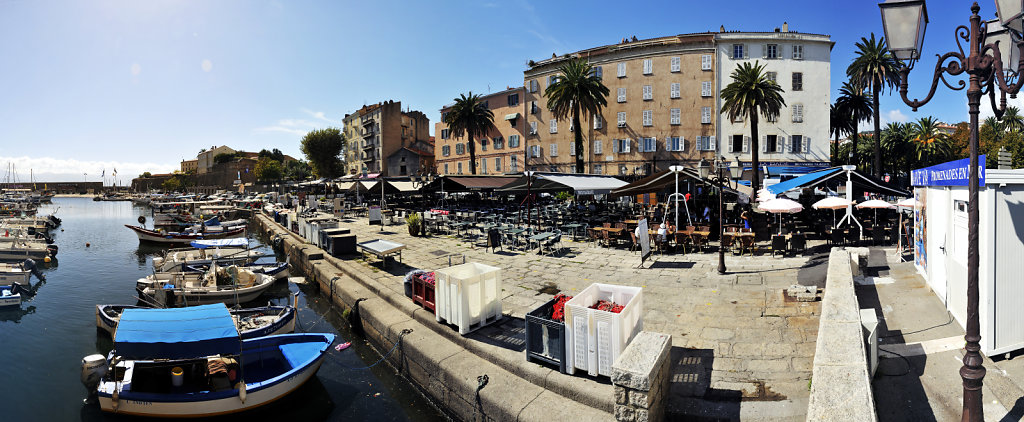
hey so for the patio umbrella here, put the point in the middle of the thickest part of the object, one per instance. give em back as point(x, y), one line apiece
point(781, 206)
point(832, 203)
point(907, 203)
point(875, 204)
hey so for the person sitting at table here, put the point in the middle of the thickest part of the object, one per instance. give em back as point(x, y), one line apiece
point(707, 213)
point(662, 232)
point(745, 216)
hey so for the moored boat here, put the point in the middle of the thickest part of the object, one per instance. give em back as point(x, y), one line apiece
point(219, 285)
point(146, 235)
point(251, 322)
point(10, 295)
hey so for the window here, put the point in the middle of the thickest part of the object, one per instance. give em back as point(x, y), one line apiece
point(622, 70)
point(705, 115)
point(553, 169)
point(771, 51)
point(648, 66)
point(446, 150)
point(798, 113)
point(737, 144)
point(597, 169)
point(772, 76)
point(497, 164)
point(648, 92)
point(621, 118)
point(572, 149)
point(533, 107)
point(796, 143)
point(514, 164)
point(598, 72)
point(513, 99)
point(552, 79)
point(737, 51)
point(738, 118)
point(513, 141)
point(534, 86)
point(620, 145)
point(572, 126)
point(705, 62)
point(648, 118)
point(554, 150)
point(498, 143)
point(554, 126)
point(673, 116)
point(622, 95)
point(705, 89)
point(771, 143)
point(460, 148)
point(706, 143)
point(460, 168)
point(483, 144)
point(649, 145)
point(798, 81)
point(483, 166)
point(533, 128)
point(798, 52)
point(597, 147)
point(445, 168)
point(673, 91)
point(675, 143)
point(674, 66)
point(535, 151)
point(598, 121)
point(445, 133)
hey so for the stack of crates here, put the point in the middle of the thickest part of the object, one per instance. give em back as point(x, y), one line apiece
point(595, 338)
point(468, 296)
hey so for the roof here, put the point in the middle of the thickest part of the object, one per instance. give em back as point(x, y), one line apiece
point(177, 333)
point(581, 184)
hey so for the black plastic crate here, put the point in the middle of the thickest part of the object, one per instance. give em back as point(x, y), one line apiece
point(545, 339)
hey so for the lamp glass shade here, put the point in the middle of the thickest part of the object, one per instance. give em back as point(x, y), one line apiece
point(904, 22)
point(1008, 52)
point(1009, 12)
point(735, 170)
point(705, 168)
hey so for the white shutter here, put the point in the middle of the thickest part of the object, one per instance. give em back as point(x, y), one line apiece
point(713, 146)
point(598, 121)
point(705, 62)
point(780, 144)
point(746, 51)
point(621, 118)
point(648, 92)
point(648, 66)
point(682, 143)
point(764, 143)
point(572, 126)
point(622, 69)
point(675, 64)
point(625, 144)
point(746, 144)
point(572, 148)
point(764, 51)
point(554, 150)
point(621, 95)
point(674, 90)
point(807, 144)
point(668, 144)
point(533, 128)
point(615, 146)
point(597, 147)
point(554, 126)
point(654, 145)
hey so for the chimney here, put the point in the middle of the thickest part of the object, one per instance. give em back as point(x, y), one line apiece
point(721, 28)
point(785, 27)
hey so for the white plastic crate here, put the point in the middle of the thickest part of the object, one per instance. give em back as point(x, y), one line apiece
point(594, 339)
point(468, 295)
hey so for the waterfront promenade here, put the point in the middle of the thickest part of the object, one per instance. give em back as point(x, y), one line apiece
point(740, 348)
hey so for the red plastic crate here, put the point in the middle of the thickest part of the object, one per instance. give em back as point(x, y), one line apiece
point(423, 293)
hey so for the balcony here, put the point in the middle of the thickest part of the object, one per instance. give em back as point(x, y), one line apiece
point(369, 133)
point(368, 121)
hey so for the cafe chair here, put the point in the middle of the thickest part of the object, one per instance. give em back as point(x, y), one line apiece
point(778, 244)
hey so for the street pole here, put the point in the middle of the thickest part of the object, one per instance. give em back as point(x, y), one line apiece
point(721, 227)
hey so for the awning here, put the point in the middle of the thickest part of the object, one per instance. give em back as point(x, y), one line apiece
point(177, 333)
point(807, 180)
point(580, 184)
point(835, 176)
point(469, 183)
point(219, 243)
point(404, 186)
point(344, 185)
point(664, 179)
point(512, 116)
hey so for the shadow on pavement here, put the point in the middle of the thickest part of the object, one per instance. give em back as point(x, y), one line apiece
point(690, 395)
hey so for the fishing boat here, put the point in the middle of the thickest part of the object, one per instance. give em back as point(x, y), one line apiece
point(278, 270)
point(10, 296)
point(192, 362)
point(14, 273)
point(154, 236)
point(225, 251)
point(19, 248)
point(218, 285)
point(251, 322)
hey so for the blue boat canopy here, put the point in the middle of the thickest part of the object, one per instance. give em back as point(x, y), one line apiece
point(219, 243)
point(215, 221)
point(808, 179)
point(179, 333)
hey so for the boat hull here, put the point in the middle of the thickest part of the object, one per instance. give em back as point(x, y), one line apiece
point(283, 325)
point(151, 236)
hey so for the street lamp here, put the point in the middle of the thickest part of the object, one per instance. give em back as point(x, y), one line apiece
point(722, 169)
point(904, 22)
point(529, 196)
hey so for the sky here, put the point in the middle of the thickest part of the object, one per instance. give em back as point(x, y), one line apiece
point(87, 87)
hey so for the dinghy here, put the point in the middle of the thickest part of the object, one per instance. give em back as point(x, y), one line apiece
point(232, 285)
point(251, 322)
point(146, 235)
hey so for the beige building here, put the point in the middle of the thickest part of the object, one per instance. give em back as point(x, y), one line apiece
point(500, 151)
point(378, 131)
point(661, 108)
point(189, 166)
point(204, 161)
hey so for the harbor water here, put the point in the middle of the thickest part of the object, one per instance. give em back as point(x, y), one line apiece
point(44, 340)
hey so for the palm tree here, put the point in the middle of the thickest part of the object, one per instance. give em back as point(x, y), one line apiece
point(1012, 120)
point(750, 94)
point(854, 103)
point(929, 141)
point(469, 116)
point(839, 121)
point(897, 146)
point(577, 90)
point(877, 68)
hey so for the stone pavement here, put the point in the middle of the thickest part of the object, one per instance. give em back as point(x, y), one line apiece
point(741, 349)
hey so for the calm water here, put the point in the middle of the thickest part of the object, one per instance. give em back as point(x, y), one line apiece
point(44, 341)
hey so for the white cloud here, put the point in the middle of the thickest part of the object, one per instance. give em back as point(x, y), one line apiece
point(207, 65)
point(895, 116)
point(985, 111)
point(52, 169)
point(282, 129)
point(885, 118)
point(317, 115)
point(296, 126)
point(136, 69)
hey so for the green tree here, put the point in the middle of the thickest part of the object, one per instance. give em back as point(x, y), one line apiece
point(268, 169)
point(469, 116)
point(750, 94)
point(297, 170)
point(897, 148)
point(577, 90)
point(145, 175)
point(323, 149)
point(930, 144)
point(172, 183)
point(275, 154)
point(1012, 120)
point(877, 68)
point(857, 108)
point(223, 157)
point(839, 123)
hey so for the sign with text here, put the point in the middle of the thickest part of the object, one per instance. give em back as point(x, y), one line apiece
point(953, 173)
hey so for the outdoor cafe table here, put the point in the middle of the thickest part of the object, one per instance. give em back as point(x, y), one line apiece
point(573, 228)
point(382, 249)
point(540, 237)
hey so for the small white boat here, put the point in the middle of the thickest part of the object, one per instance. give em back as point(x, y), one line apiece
point(14, 273)
point(154, 236)
point(10, 295)
point(251, 322)
point(191, 362)
point(232, 285)
point(18, 248)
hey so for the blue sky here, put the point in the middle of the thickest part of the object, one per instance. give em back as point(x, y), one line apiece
point(141, 85)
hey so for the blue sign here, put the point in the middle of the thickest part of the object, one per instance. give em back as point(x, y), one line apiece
point(953, 173)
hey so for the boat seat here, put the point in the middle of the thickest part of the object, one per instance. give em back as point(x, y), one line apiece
point(299, 353)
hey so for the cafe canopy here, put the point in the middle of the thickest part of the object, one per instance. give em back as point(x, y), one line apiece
point(665, 179)
point(835, 176)
point(580, 184)
point(477, 183)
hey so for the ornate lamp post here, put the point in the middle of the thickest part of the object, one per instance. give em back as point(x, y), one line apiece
point(992, 61)
point(675, 196)
point(722, 169)
point(529, 196)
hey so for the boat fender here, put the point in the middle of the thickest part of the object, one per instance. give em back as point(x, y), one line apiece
point(113, 400)
point(241, 390)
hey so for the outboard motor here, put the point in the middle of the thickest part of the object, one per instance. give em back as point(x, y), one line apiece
point(52, 249)
point(94, 367)
point(30, 265)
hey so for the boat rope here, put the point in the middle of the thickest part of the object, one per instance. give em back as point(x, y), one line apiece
point(383, 358)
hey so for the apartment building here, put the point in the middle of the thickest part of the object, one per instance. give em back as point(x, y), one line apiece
point(500, 151)
point(377, 132)
point(661, 108)
point(189, 166)
point(800, 64)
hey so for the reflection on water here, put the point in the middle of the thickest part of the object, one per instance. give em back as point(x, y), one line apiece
point(46, 338)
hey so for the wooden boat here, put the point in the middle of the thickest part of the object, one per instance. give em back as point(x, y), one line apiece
point(146, 235)
point(232, 285)
point(251, 322)
point(278, 270)
point(191, 362)
point(224, 251)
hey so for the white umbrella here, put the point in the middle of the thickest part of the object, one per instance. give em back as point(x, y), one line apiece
point(832, 203)
point(907, 203)
point(763, 195)
point(875, 204)
point(781, 206)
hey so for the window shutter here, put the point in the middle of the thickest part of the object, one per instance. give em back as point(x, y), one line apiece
point(625, 144)
point(654, 145)
point(597, 121)
point(764, 51)
point(746, 51)
point(780, 144)
point(764, 143)
point(746, 144)
point(572, 148)
point(622, 69)
point(806, 144)
point(597, 147)
point(713, 146)
point(615, 146)
point(682, 143)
